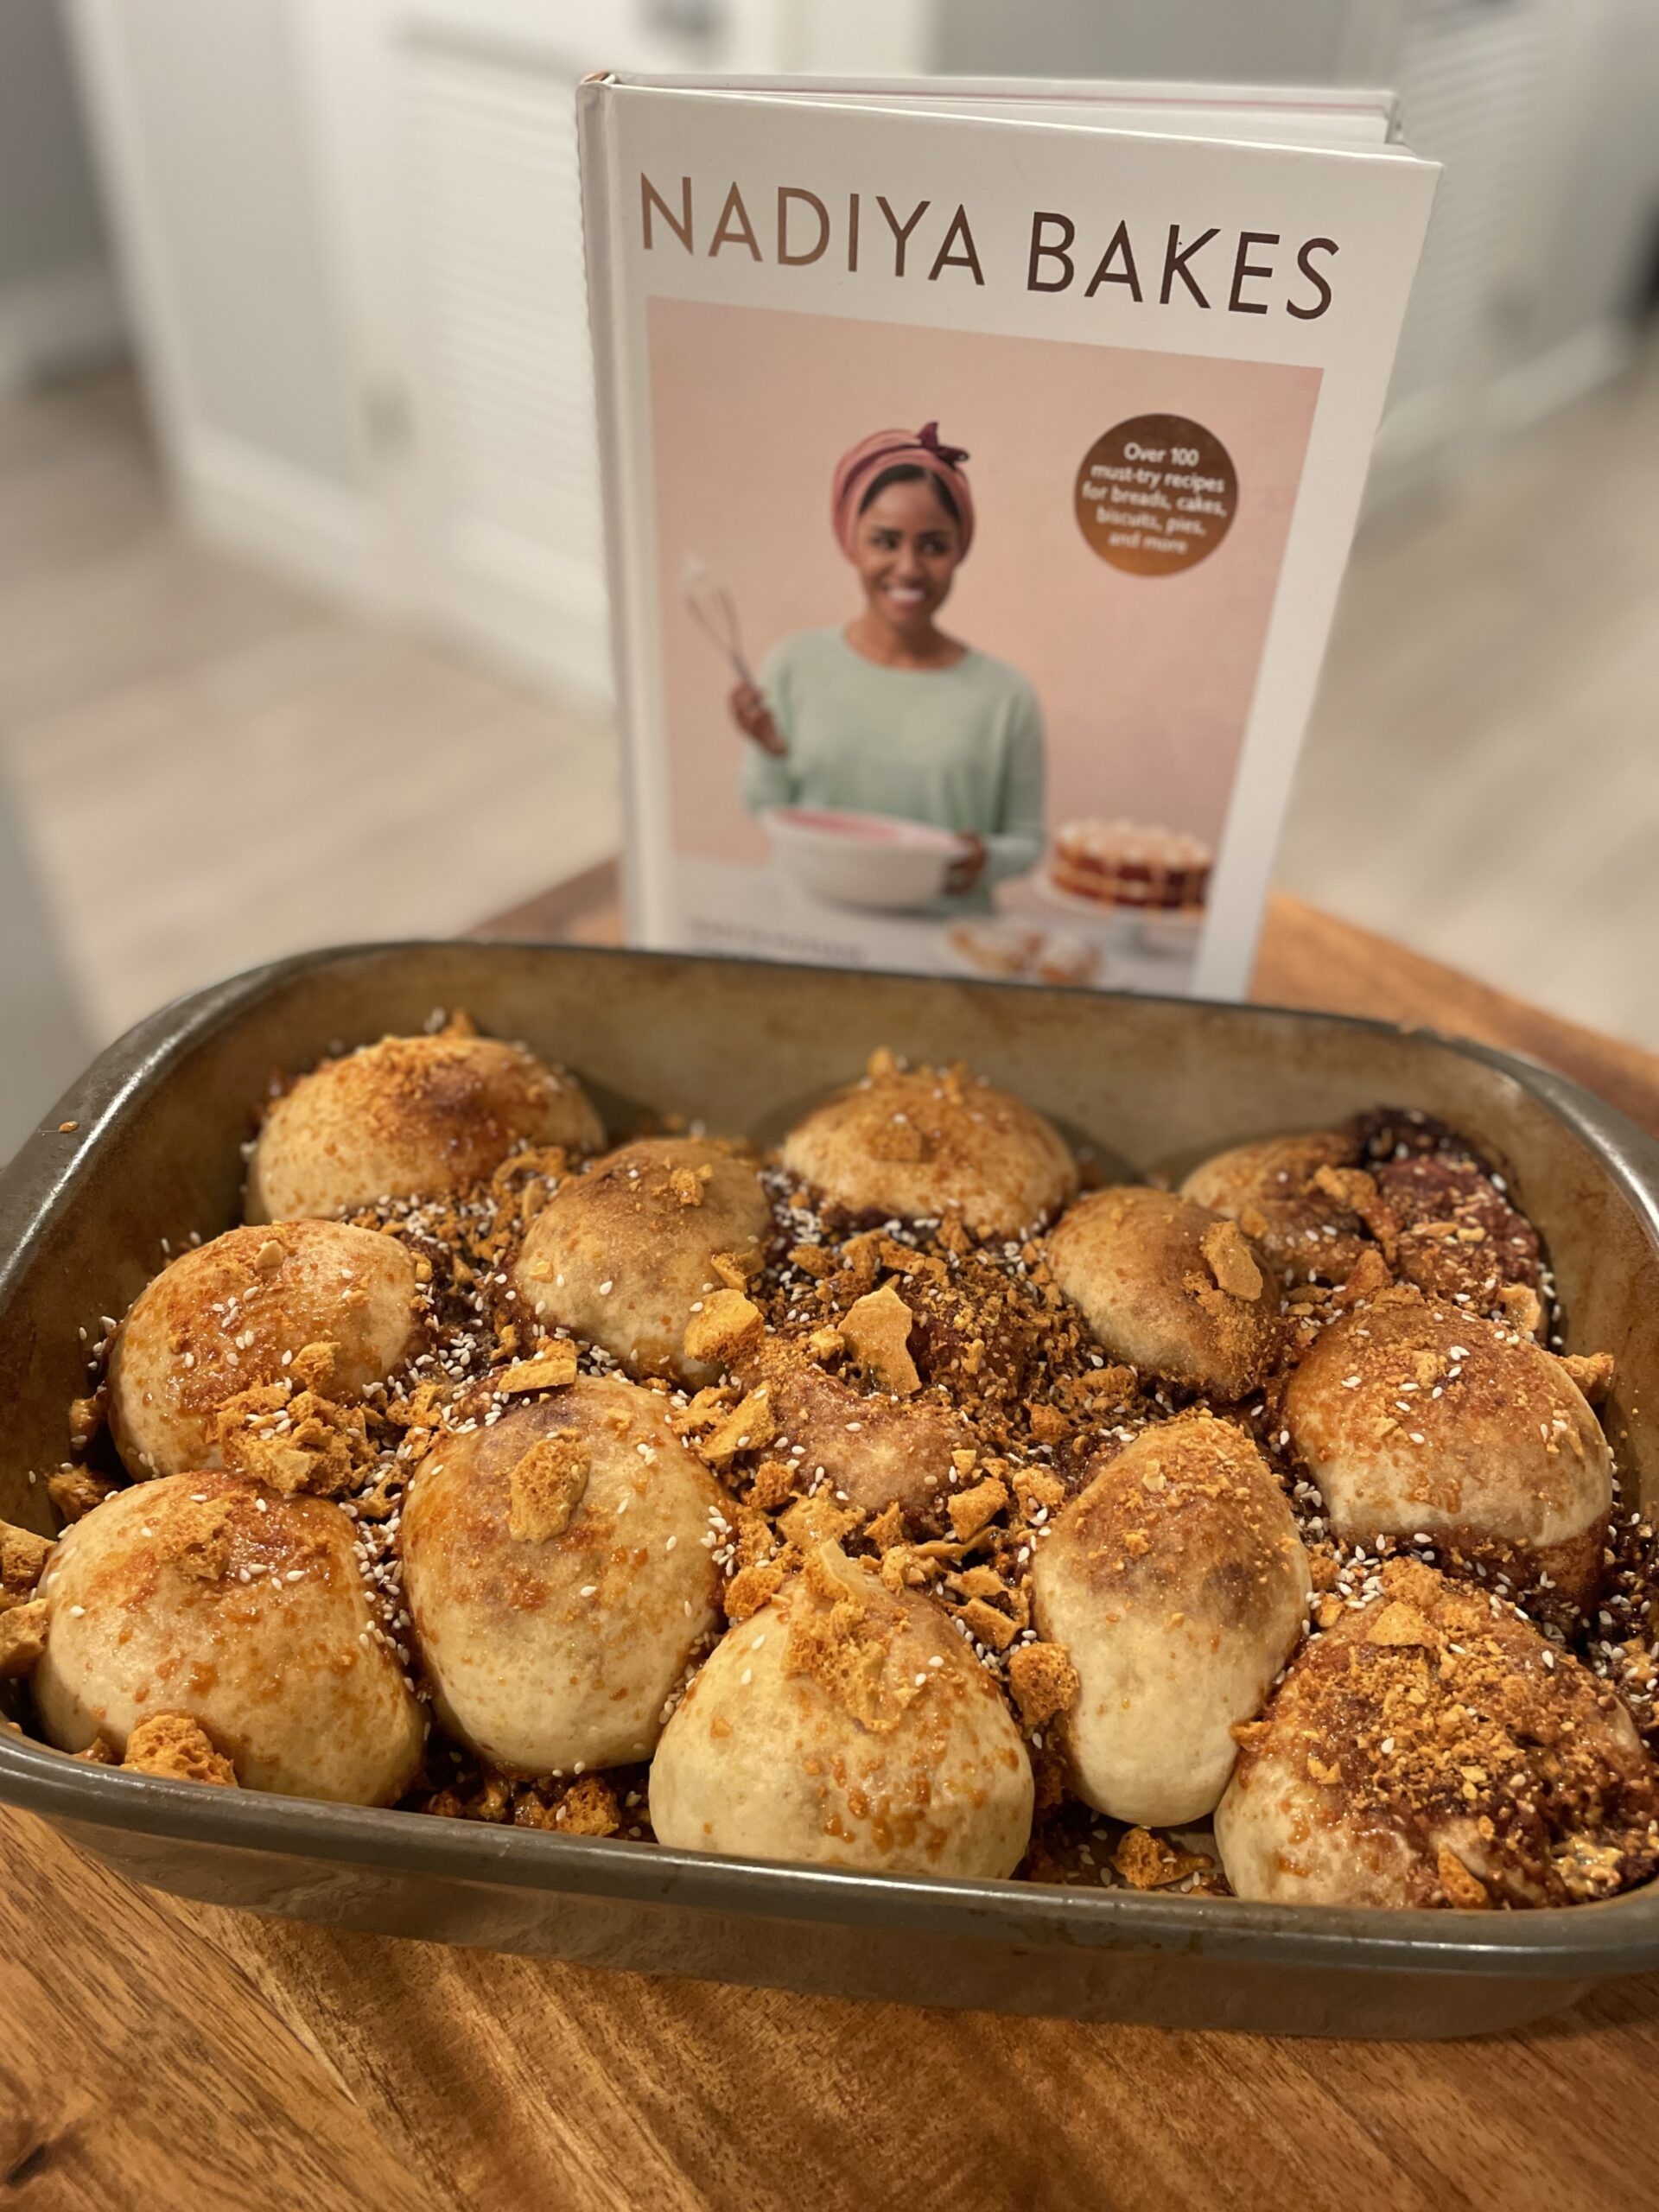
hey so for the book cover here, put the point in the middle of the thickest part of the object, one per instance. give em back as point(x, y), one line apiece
point(979, 479)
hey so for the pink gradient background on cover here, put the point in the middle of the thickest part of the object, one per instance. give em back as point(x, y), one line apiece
point(1145, 681)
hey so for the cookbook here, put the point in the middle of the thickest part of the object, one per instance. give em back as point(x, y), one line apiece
point(979, 466)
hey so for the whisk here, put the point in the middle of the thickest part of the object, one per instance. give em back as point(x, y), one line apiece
point(710, 605)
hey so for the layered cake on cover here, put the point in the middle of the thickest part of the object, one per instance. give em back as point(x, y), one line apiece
point(1138, 864)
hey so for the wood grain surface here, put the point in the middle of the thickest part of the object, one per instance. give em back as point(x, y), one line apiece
point(160, 2054)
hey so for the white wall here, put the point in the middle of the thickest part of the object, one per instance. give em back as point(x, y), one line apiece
point(1259, 41)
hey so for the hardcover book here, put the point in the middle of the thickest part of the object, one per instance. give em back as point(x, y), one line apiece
point(980, 467)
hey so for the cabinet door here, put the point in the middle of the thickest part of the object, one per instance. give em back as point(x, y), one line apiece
point(450, 139)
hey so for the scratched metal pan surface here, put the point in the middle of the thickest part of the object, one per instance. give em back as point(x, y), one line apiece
point(161, 1118)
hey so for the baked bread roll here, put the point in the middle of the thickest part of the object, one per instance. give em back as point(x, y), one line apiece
point(1458, 1238)
point(622, 1254)
point(246, 1611)
point(234, 1314)
point(409, 1117)
point(1169, 1287)
point(875, 1450)
point(1430, 1751)
point(920, 1143)
point(558, 1567)
point(1415, 1418)
point(1293, 1198)
point(1178, 1585)
point(849, 1725)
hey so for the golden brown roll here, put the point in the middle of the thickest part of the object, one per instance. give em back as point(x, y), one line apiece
point(1294, 1196)
point(920, 1143)
point(1429, 1752)
point(232, 1315)
point(1178, 1585)
point(558, 1569)
point(1170, 1286)
point(247, 1613)
point(1415, 1418)
point(409, 1117)
point(621, 1254)
point(1459, 1238)
point(875, 1450)
point(849, 1725)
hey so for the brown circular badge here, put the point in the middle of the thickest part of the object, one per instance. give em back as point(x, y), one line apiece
point(1156, 494)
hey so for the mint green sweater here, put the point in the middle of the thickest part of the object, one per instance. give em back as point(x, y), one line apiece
point(960, 747)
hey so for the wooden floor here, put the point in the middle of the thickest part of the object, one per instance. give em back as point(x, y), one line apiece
point(213, 769)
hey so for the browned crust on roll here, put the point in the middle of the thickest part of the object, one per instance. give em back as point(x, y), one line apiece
point(1283, 1194)
point(874, 1451)
point(920, 1142)
point(1435, 1714)
point(1459, 1238)
point(410, 1115)
point(1134, 1260)
point(627, 1253)
point(1190, 1503)
point(235, 1315)
point(1426, 1417)
point(604, 1422)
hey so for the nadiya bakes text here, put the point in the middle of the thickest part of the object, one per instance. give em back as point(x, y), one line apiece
point(1241, 271)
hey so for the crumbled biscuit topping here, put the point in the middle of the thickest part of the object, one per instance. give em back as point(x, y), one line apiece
point(1232, 1261)
point(554, 1370)
point(172, 1745)
point(1043, 1682)
point(23, 1637)
point(546, 1486)
point(846, 1643)
point(726, 1324)
point(1149, 1862)
point(24, 1556)
point(875, 1329)
point(977, 1508)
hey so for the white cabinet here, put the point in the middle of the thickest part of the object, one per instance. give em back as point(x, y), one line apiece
point(454, 154)
point(351, 233)
point(446, 134)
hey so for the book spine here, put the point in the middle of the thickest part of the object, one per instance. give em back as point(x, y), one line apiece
point(596, 149)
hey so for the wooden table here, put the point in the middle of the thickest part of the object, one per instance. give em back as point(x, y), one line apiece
point(163, 2054)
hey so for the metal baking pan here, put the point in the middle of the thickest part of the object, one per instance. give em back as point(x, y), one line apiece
point(156, 1154)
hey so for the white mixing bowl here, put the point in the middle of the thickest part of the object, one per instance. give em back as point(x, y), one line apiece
point(862, 860)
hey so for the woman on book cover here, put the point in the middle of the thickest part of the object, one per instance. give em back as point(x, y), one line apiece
point(889, 715)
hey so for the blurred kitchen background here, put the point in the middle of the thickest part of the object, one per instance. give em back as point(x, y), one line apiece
point(302, 618)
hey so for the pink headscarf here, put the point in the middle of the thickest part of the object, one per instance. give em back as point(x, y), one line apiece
point(858, 468)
